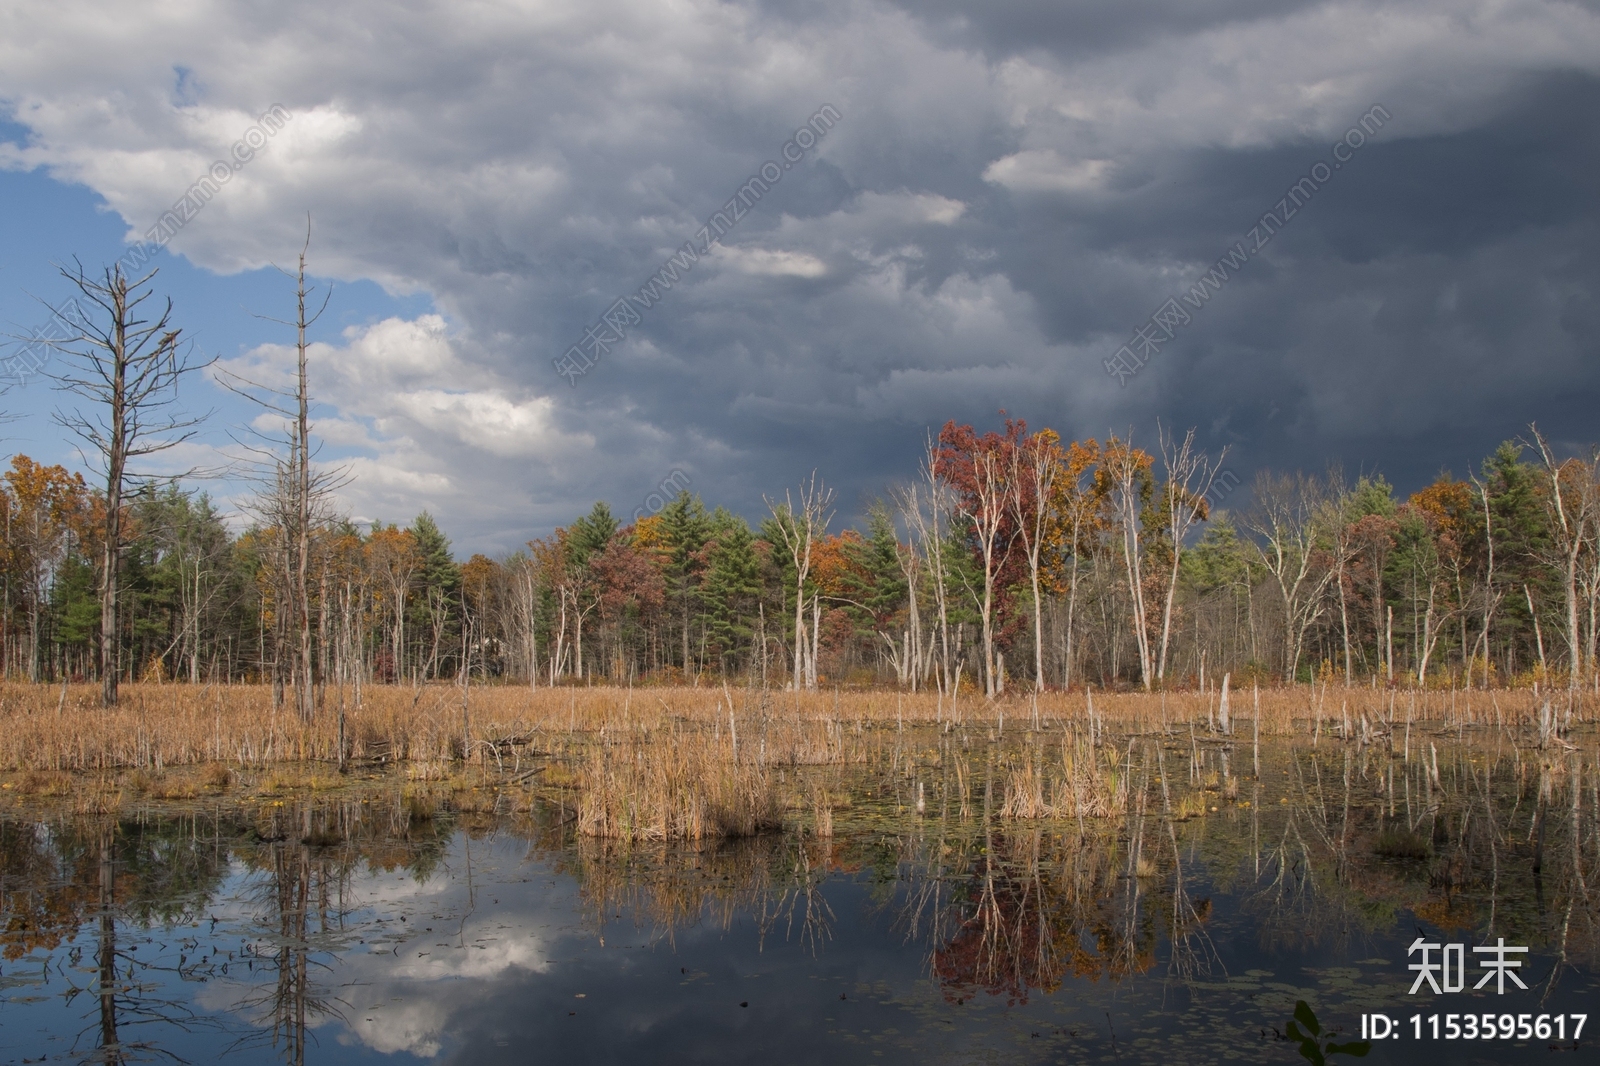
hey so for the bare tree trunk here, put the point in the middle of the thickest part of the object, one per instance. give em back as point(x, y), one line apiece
point(1032, 486)
point(911, 568)
point(1491, 598)
point(110, 1042)
point(304, 678)
point(399, 608)
point(929, 527)
point(799, 531)
point(816, 640)
point(530, 603)
point(194, 637)
point(129, 368)
point(1572, 511)
point(116, 467)
point(987, 517)
point(1127, 468)
point(1189, 477)
point(1339, 518)
point(1538, 635)
point(1072, 603)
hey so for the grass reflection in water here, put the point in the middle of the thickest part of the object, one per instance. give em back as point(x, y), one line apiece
point(1153, 874)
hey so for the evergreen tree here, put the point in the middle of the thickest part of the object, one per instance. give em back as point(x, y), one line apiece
point(435, 609)
point(75, 613)
point(731, 588)
point(685, 528)
point(876, 581)
point(590, 534)
point(1521, 540)
point(1372, 495)
point(1219, 561)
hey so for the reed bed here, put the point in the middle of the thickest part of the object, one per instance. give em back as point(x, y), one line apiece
point(1084, 780)
point(155, 725)
point(672, 788)
point(704, 764)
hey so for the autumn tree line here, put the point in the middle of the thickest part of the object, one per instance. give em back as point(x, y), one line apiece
point(1010, 559)
point(1013, 560)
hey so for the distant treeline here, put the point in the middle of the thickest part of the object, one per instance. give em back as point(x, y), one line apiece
point(1011, 559)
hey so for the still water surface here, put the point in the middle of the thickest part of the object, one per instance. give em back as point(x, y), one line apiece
point(383, 928)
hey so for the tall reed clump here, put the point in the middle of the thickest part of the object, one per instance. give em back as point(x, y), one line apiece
point(1087, 781)
point(672, 787)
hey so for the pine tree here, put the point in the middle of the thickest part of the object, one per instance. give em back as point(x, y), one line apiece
point(731, 588)
point(590, 534)
point(685, 528)
point(1521, 540)
point(436, 607)
point(876, 581)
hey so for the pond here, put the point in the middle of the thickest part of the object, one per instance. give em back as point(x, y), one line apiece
point(385, 924)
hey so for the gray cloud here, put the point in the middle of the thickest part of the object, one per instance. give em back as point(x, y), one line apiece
point(1013, 188)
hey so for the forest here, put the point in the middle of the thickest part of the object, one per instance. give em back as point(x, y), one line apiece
point(1009, 560)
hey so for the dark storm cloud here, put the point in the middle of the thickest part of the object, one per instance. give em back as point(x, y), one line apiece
point(1433, 299)
point(1010, 190)
point(1067, 30)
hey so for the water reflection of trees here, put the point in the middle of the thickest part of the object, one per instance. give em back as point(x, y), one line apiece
point(1031, 907)
point(777, 879)
point(86, 888)
point(1314, 851)
point(1012, 906)
point(1334, 842)
point(300, 927)
point(96, 878)
point(300, 876)
point(1476, 842)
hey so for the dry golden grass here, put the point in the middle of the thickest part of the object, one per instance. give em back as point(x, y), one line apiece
point(157, 726)
point(655, 764)
point(43, 783)
point(1084, 780)
point(669, 788)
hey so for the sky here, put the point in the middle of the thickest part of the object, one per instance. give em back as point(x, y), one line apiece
point(967, 208)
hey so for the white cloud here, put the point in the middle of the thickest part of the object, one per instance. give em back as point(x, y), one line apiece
point(527, 164)
point(1043, 170)
point(771, 262)
point(413, 421)
point(416, 999)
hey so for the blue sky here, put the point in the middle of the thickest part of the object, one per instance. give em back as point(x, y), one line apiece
point(47, 223)
point(1009, 192)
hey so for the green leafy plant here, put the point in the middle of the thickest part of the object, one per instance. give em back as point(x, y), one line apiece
point(1316, 1045)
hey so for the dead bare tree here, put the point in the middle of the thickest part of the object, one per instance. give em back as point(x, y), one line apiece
point(925, 507)
point(1342, 543)
point(295, 497)
point(1491, 595)
point(1189, 477)
point(1035, 465)
point(1285, 520)
point(800, 530)
point(987, 512)
point(911, 655)
point(1128, 470)
point(128, 368)
point(525, 612)
point(1572, 509)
